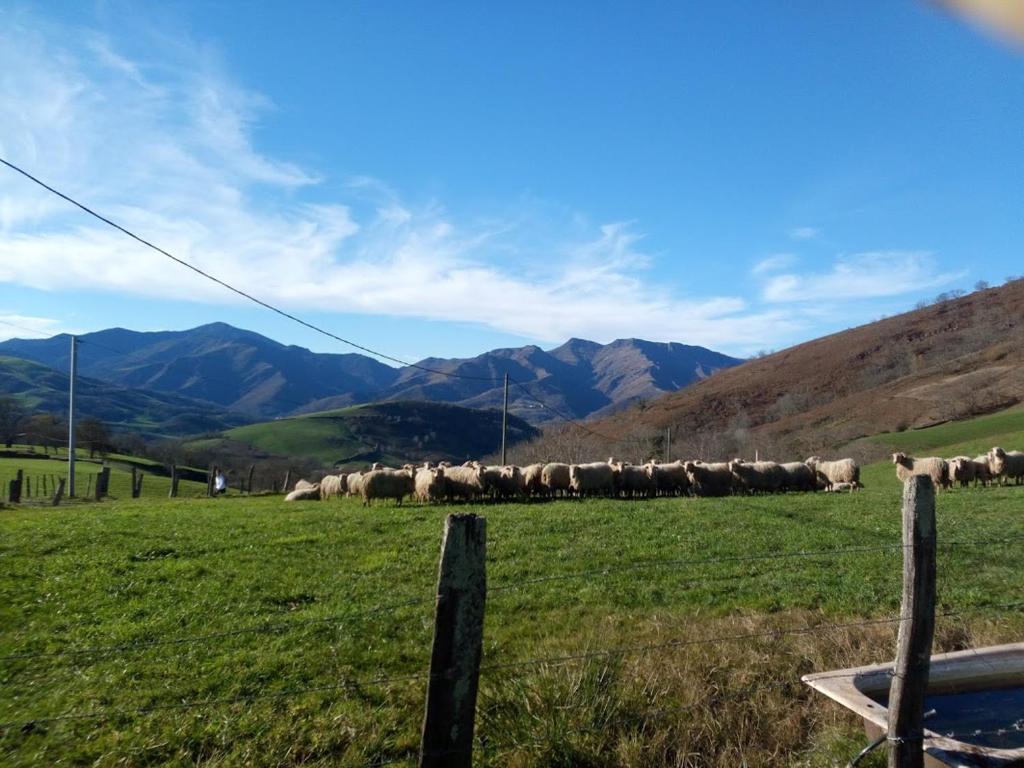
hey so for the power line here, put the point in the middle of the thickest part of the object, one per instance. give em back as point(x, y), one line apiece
point(233, 289)
point(559, 414)
point(34, 332)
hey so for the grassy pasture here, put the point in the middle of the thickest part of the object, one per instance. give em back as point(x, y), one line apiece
point(131, 572)
point(969, 437)
point(154, 486)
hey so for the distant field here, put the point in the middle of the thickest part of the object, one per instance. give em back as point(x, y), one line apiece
point(126, 572)
point(120, 478)
point(968, 437)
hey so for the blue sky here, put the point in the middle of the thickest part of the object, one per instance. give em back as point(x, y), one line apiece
point(440, 179)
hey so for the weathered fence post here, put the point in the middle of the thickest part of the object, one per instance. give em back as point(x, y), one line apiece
point(458, 644)
point(102, 483)
point(15, 488)
point(88, 485)
point(917, 626)
point(173, 493)
point(59, 492)
point(287, 481)
point(45, 489)
point(28, 487)
point(135, 477)
point(248, 484)
point(137, 485)
point(211, 474)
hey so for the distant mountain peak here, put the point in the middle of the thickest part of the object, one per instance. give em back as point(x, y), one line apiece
point(247, 372)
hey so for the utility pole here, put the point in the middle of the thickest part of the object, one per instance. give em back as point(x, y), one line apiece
point(504, 421)
point(71, 418)
point(668, 444)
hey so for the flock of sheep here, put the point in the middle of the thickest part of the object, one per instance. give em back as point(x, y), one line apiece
point(616, 479)
point(995, 466)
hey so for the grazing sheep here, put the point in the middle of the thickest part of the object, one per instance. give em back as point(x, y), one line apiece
point(982, 470)
point(555, 478)
point(630, 481)
point(465, 482)
point(1007, 465)
point(309, 492)
point(670, 478)
point(533, 484)
point(595, 478)
point(907, 466)
point(387, 484)
point(431, 484)
point(333, 486)
point(830, 472)
point(799, 477)
point(961, 470)
point(709, 479)
point(354, 484)
point(503, 482)
point(758, 476)
point(302, 485)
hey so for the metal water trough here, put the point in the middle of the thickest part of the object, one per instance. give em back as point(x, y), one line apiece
point(996, 668)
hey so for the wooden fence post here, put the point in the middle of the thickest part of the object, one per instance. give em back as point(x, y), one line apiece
point(287, 481)
point(458, 644)
point(135, 477)
point(15, 488)
point(28, 487)
point(88, 485)
point(917, 626)
point(173, 493)
point(248, 484)
point(103, 483)
point(59, 493)
point(137, 484)
point(210, 477)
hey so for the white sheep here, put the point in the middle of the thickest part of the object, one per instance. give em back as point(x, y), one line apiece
point(714, 479)
point(933, 466)
point(308, 492)
point(799, 477)
point(431, 484)
point(555, 478)
point(594, 478)
point(670, 478)
point(387, 484)
point(830, 472)
point(333, 486)
point(757, 476)
point(1007, 465)
point(961, 470)
point(465, 482)
point(982, 470)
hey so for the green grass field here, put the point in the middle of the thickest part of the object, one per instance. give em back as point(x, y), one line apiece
point(343, 595)
point(969, 437)
point(154, 485)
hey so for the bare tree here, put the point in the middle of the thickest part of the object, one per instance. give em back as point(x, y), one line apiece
point(12, 418)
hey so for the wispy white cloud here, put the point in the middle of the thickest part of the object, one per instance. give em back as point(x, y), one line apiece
point(18, 326)
point(869, 275)
point(774, 263)
point(804, 233)
point(172, 156)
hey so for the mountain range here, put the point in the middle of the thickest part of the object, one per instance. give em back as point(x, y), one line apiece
point(249, 374)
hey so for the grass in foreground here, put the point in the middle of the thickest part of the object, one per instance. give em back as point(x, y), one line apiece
point(124, 573)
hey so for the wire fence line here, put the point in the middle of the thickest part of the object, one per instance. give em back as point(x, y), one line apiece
point(286, 626)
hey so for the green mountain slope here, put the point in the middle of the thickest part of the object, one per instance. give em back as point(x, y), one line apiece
point(966, 437)
point(153, 413)
point(393, 432)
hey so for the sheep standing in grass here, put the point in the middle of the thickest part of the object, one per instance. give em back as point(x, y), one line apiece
point(962, 471)
point(709, 479)
point(669, 478)
point(387, 484)
point(533, 484)
point(757, 476)
point(555, 478)
point(982, 470)
point(465, 482)
point(353, 483)
point(799, 477)
point(932, 466)
point(830, 472)
point(503, 482)
point(630, 481)
point(333, 486)
point(593, 479)
point(431, 484)
point(1007, 465)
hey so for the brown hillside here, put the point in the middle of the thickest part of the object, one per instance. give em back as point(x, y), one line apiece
point(947, 361)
